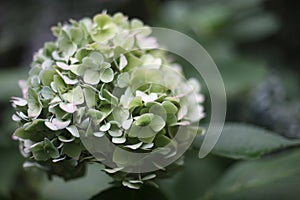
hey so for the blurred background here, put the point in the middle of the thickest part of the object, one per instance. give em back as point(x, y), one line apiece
point(255, 44)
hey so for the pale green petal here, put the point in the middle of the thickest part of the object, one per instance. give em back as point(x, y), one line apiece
point(34, 104)
point(169, 107)
point(107, 75)
point(123, 80)
point(157, 123)
point(91, 77)
point(144, 120)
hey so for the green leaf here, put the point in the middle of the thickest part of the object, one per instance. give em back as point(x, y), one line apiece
point(33, 131)
point(248, 73)
point(276, 177)
point(194, 178)
point(38, 152)
point(240, 141)
point(50, 149)
point(72, 150)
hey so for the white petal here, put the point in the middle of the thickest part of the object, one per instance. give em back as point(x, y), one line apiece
point(63, 65)
point(111, 171)
point(19, 101)
point(118, 140)
point(99, 134)
point(134, 146)
point(51, 126)
point(126, 124)
point(105, 127)
point(16, 118)
point(68, 107)
point(123, 62)
point(149, 177)
point(73, 130)
point(148, 146)
point(60, 124)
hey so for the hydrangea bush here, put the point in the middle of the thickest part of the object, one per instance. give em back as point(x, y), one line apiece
point(99, 79)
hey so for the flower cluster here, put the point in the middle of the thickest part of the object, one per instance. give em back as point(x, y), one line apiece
point(102, 78)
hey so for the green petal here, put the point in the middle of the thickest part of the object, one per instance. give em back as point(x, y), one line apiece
point(76, 34)
point(144, 120)
point(134, 130)
point(47, 77)
point(108, 97)
point(102, 19)
point(60, 84)
point(34, 104)
point(90, 97)
point(74, 96)
point(146, 135)
point(136, 102)
point(96, 116)
point(72, 150)
point(47, 93)
point(157, 123)
point(120, 115)
point(96, 57)
point(66, 45)
point(162, 141)
point(91, 77)
point(50, 149)
point(104, 34)
point(107, 75)
point(169, 107)
point(123, 80)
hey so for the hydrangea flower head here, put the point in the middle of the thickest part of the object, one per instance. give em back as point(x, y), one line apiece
point(99, 79)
